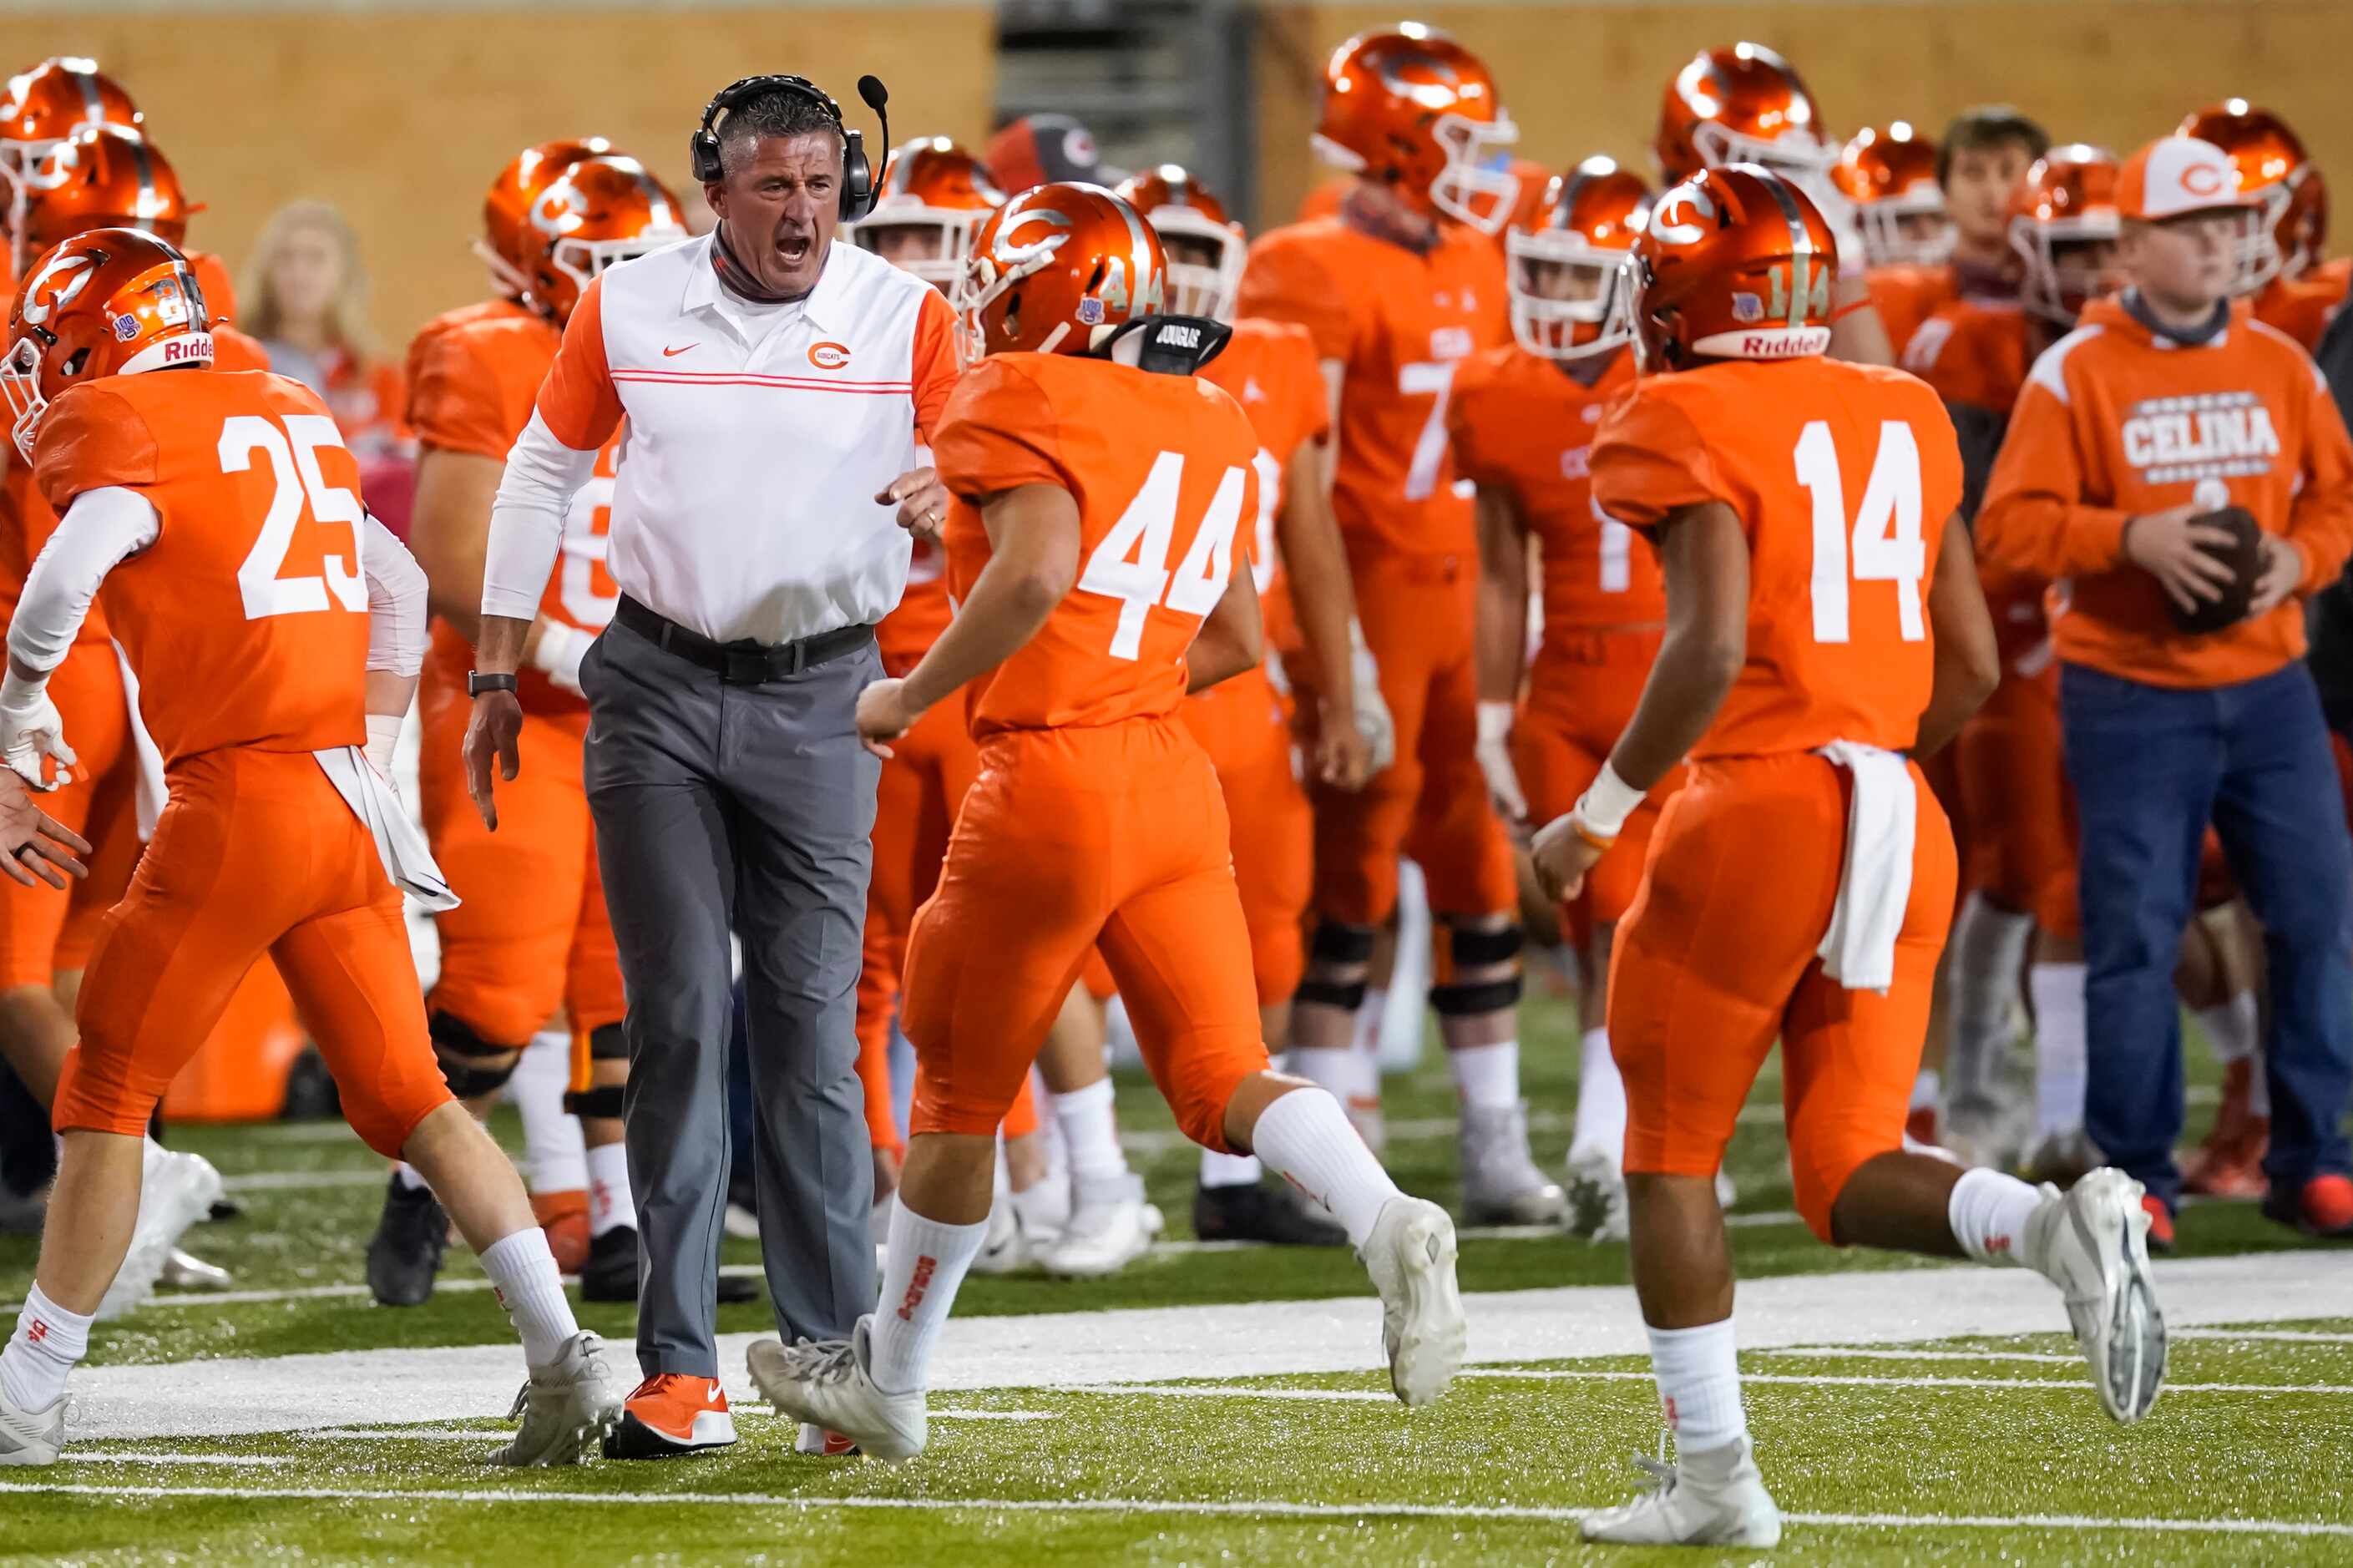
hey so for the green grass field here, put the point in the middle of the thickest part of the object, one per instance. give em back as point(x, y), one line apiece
point(1985, 1449)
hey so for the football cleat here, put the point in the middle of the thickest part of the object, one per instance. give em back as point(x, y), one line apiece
point(2160, 1226)
point(2061, 1159)
point(1711, 1498)
point(31, 1436)
point(1254, 1211)
point(1596, 1196)
point(1501, 1181)
point(566, 1408)
point(829, 1384)
point(406, 1252)
point(1006, 1246)
point(2093, 1243)
point(1410, 1256)
point(1111, 1227)
point(175, 1191)
point(817, 1441)
point(670, 1415)
point(185, 1271)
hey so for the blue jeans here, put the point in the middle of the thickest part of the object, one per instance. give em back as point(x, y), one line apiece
point(2152, 765)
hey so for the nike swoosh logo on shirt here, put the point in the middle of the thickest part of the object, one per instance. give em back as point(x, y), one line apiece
point(680, 349)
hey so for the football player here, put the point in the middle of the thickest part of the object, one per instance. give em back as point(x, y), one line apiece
point(1301, 572)
point(1521, 422)
point(2280, 270)
point(268, 618)
point(41, 107)
point(529, 969)
point(1396, 292)
point(1824, 624)
point(1890, 177)
point(1098, 578)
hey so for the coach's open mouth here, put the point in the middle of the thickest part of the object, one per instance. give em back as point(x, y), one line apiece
point(793, 249)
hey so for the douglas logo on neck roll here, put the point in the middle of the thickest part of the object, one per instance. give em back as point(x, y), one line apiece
point(828, 356)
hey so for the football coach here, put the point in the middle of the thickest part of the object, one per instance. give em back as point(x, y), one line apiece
point(774, 385)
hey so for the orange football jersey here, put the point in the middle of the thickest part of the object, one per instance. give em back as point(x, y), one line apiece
point(1401, 321)
point(1905, 297)
point(247, 620)
point(1522, 424)
point(1270, 369)
point(473, 377)
point(1164, 471)
point(1842, 477)
point(2301, 308)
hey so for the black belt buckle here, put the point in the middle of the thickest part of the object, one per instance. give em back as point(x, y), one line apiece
point(739, 666)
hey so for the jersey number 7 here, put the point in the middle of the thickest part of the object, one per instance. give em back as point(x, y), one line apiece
point(292, 453)
point(1131, 565)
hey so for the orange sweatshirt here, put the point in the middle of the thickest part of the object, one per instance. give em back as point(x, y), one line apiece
point(2116, 422)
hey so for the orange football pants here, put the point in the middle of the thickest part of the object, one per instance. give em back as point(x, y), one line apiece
point(44, 932)
point(1581, 695)
point(1069, 839)
point(2014, 792)
point(256, 855)
point(1431, 803)
point(532, 934)
point(1242, 724)
point(1717, 960)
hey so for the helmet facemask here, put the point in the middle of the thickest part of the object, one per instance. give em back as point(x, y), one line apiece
point(1471, 188)
point(2058, 284)
point(1199, 287)
point(1594, 314)
point(1889, 241)
point(953, 228)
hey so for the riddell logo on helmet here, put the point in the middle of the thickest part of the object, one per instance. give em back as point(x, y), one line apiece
point(195, 346)
point(916, 1286)
point(828, 356)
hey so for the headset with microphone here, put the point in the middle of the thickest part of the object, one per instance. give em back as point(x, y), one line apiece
point(859, 188)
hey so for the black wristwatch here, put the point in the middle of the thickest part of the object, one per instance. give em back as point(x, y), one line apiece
point(476, 683)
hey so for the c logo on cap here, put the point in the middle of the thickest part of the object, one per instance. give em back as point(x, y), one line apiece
point(2204, 179)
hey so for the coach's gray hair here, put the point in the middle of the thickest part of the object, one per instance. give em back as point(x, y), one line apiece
point(780, 114)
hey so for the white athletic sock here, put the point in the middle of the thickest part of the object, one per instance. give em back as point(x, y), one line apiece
point(1370, 1012)
point(1228, 1170)
point(1044, 1206)
point(522, 1271)
point(1091, 1131)
point(2061, 1056)
point(2231, 1027)
point(1331, 1068)
point(46, 1345)
point(405, 1174)
point(1987, 1212)
point(1600, 1099)
point(1988, 947)
point(925, 1262)
point(554, 1153)
point(1487, 1075)
point(610, 1200)
point(1306, 1137)
point(1699, 1386)
point(1928, 1089)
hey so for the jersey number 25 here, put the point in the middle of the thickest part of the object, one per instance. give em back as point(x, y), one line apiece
point(292, 454)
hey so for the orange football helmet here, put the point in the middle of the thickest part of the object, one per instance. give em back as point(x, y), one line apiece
point(1891, 177)
point(1735, 262)
point(598, 212)
point(1416, 112)
point(932, 187)
point(510, 196)
point(1744, 104)
point(1176, 205)
point(101, 176)
point(113, 301)
point(49, 103)
point(1581, 236)
point(1057, 269)
point(2065, 225)
point(2274, 169)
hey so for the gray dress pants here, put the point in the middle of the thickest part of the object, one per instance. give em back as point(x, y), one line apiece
point(743, 809)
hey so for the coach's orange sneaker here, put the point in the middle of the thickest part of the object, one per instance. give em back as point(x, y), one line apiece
point(2322, 1207)
point(671, 1415)
point(565, 1217)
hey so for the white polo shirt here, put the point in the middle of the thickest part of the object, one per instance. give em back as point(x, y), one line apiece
point(757, 436)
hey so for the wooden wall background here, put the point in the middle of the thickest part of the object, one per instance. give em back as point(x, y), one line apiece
point(401, 117)
point(1588, 77)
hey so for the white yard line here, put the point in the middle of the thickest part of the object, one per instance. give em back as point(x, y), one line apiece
point(299, 1180)
point(2282, 1336)
point(120, 1456)
point(1852, 1352)
point(1243, 1508)
point(460, 1285)
point(1565, 1374)
point(345, 1388)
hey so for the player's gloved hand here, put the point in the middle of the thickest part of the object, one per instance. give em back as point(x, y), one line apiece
point(1373, 720)
point(1494, 753)
point(558, 653)
point(32, 734)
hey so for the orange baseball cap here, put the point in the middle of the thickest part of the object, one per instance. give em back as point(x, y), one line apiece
point(2177, 174)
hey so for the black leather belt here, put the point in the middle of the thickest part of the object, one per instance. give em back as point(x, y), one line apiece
point(743, 663)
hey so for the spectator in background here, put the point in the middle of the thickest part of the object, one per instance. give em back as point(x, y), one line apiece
point(1046, 149)
point(305, 297)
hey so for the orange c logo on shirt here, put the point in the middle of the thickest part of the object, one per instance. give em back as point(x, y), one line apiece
point(828, 356)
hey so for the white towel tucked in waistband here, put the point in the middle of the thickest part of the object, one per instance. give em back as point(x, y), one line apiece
point(398, 840)
point(1859, 950)
point(148, 798)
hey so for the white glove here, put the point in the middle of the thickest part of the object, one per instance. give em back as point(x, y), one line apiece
point(30, 731)
point(1373, 721)
point(561, 648)
point(1494, 753)
point(384, 734)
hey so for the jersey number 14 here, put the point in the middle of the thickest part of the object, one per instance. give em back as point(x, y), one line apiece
point(1887, 546)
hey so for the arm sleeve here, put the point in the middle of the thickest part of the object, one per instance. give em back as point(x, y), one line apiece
point(935, 368)
point(1283, 283)
point(542, 475)
point(998, 431)
point(1649, 459)
point(578, 401)
point(2320, 518)
point(98, 532)
point(2033, 519)
point(395, 586)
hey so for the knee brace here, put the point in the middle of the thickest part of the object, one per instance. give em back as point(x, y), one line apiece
point(470, 1065)
point(1336, 945)
point(602, 1102)
point(1469, 949)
